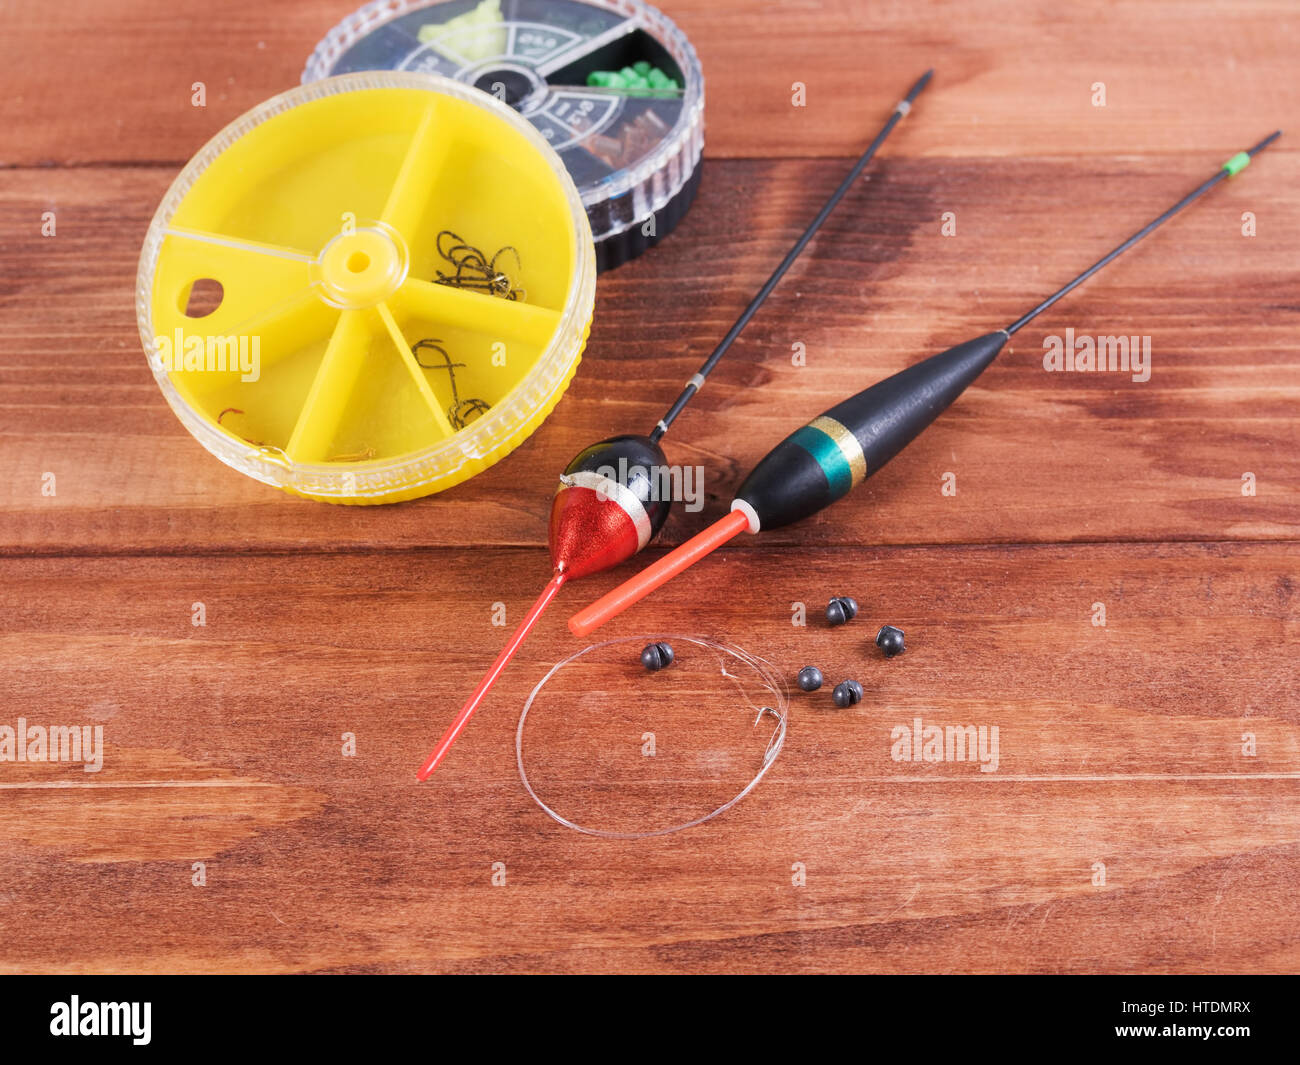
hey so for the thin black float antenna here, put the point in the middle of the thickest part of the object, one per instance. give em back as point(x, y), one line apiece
point(695, 383)
point(1232, 166)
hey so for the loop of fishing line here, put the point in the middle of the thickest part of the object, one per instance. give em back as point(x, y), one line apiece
point(777, 704)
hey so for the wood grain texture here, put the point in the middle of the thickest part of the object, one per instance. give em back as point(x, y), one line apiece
point(111, 82)
point(1120, 745)
point(1039, 456)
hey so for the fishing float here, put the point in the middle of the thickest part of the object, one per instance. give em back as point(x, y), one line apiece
point(597, 521)
point(822, 461)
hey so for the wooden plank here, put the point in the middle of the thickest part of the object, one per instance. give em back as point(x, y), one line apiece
point(1038, 456)
point(1119, 744)
point(1013, 78)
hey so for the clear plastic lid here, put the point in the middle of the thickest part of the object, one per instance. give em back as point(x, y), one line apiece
point(613, 85)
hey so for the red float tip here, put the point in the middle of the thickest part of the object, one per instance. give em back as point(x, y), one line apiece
point(502, 660)
point(589, 619)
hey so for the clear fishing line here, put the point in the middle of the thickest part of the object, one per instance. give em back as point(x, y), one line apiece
point(737, 690)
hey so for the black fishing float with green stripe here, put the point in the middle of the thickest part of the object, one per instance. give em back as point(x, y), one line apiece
point(823, 460)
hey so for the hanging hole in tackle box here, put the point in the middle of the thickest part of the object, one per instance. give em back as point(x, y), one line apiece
point(613, 85)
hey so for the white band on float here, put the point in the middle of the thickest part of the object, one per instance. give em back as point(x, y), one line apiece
point(748, 511)
point(608, 488)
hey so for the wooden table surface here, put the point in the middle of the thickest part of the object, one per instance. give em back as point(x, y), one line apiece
point(1128, 827)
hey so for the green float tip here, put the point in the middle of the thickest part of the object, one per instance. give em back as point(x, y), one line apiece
point(1241, 160)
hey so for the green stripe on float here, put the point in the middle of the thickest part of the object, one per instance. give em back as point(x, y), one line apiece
point(830, 458)
point(1236, 164)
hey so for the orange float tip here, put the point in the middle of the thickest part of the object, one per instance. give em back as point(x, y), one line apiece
point(610, 605)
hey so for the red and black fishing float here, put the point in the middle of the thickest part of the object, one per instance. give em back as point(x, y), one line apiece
point(598, 521)
point(821, 461)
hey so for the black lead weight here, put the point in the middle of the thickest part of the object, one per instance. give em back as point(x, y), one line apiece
point(809, 679)
point(840, 609)
point(847, 693)
point(890, 640)
point(656, 656)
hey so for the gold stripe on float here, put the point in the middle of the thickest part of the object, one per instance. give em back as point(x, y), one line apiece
point(848, 445)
